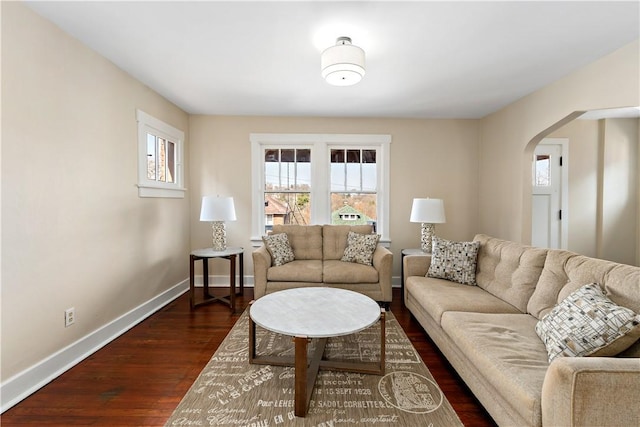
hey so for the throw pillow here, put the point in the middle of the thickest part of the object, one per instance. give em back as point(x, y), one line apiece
point(454, 261)
point(279, 248)
point(588, 323)
point(360, 248)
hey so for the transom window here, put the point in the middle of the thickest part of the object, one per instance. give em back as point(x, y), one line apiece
point(319, 179)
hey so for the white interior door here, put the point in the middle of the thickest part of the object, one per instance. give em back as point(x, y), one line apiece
point(547, 195)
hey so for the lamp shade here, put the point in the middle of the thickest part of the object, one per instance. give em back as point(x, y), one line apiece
point(430, 211)
point(342, 64)
point(217, 209)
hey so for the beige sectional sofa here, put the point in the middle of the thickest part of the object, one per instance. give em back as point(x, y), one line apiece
point(487, 332)
point(318, 250)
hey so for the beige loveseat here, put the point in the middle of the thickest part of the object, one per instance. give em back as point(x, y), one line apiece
point(318, 250)
point(487, 332)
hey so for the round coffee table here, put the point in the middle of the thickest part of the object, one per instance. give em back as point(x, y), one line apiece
point(314, 312)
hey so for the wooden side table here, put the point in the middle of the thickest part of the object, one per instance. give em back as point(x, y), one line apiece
point(406, 252)
point(204, 255)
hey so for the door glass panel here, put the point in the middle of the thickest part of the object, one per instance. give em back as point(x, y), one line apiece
point(542, 176)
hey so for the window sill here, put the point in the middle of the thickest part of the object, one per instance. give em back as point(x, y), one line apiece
point(169, 193)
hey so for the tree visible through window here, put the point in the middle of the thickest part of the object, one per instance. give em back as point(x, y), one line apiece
point(287, 178)
point(319, 179)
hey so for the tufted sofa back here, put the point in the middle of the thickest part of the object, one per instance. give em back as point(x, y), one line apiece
point(335, 239)
point(305, 240)
point(509, 270)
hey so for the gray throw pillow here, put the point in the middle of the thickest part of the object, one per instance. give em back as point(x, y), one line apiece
point(360, 248)
point(454, 261)
point(588, 323)
point(279, 248)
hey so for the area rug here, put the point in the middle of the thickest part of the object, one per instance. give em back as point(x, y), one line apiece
point(231, 392)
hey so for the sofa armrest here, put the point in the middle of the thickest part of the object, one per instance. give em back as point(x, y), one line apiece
point(416, 265)
point(383, 263)
point(595, 391)
point(261, 263)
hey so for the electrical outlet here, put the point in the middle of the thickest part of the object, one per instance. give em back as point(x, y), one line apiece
point(69, 317)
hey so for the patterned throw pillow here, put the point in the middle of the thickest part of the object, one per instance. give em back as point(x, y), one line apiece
point(588, 323)
point(279, 248)
point(454, 261)
point(360, 248)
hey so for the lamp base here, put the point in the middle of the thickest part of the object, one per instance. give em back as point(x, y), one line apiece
point(426, 240)
point(219, 233)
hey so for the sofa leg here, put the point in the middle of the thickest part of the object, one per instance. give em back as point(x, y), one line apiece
point(386, 305)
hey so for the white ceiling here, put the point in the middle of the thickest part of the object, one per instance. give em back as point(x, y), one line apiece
point(424, 59)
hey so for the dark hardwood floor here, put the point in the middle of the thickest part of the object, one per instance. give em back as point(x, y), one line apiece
point(138, 379)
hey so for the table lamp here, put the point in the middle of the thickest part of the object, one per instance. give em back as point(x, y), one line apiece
point(429, 212)
point(218, 210)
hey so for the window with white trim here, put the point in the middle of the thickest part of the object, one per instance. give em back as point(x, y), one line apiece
point(160, 153)
point(319, 179)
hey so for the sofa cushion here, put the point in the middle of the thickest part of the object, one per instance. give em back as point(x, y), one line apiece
point(335, 239)
point(587, 323)
point(347, 272)
point(279, 248)
point(305, 240)
point(506, 349)
point(360, 248)
point(297, 271)
point(455, 261)
point(509, 270)
point(438, 296)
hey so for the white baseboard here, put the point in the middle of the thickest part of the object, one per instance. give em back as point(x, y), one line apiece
point(18, 387)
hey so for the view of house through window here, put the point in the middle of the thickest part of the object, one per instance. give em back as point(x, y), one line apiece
point(287, 192)
point(310, 179)
point(353, 186)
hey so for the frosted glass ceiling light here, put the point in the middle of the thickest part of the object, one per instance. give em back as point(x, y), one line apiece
point(342, 64)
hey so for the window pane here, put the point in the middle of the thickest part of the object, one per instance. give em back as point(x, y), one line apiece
point(303, 176)
point(287, 208)
point(353, 208)
point(303, 156)
point(162, 157)
point(368, 156)
point(353, 156)
point(543, 171)
point(151, 157)
point(353, 177)
point(369, 177)
point(338, 176)
point(171, 160)
point(287, 155)
point(272, 176)
point(337, 156)
point(271, 155)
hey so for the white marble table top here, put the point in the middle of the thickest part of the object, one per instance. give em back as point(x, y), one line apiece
point(210, 253)
point(315, 312)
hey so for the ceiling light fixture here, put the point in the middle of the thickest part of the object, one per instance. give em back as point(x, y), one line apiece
point(342, 64)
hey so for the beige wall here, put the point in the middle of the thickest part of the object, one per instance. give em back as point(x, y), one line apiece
point(583, 184)
point(429, 158)
point(74, 232)
point(509, 136)
point(619, 190)
point(603, 187)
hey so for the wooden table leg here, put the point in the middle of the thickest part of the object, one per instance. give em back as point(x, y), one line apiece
point(232, 282)
point(241, 273)
point(205, 277)
point(191, 281)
